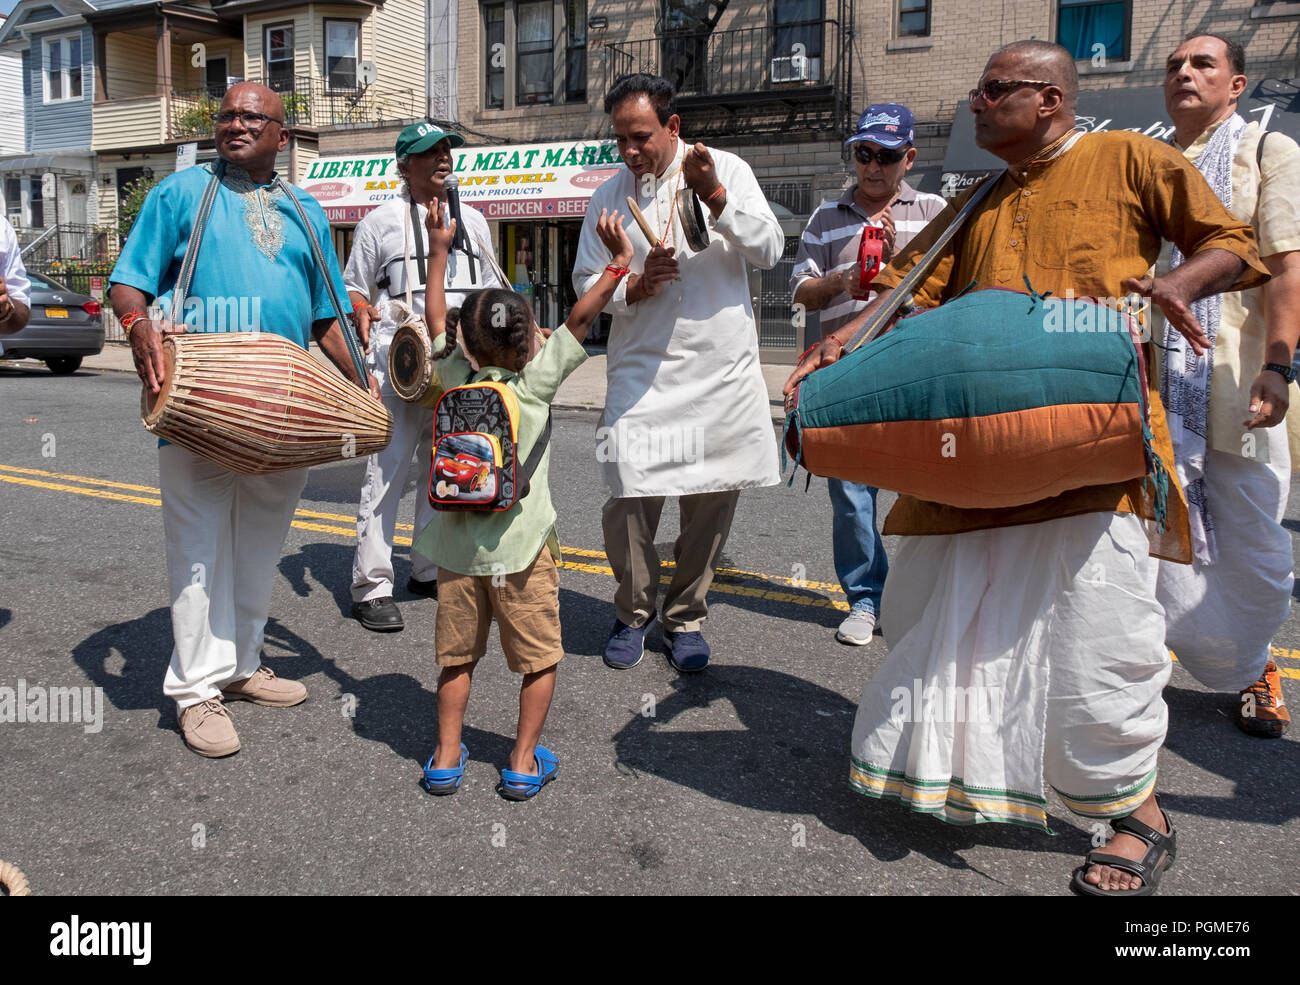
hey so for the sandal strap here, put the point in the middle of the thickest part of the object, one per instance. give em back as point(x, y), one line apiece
point(1138, 829)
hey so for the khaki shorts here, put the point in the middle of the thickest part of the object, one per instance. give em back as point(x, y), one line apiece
point(526, 605)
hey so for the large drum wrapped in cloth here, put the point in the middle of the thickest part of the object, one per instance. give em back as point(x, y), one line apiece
point(257, 403)
point(992, 400)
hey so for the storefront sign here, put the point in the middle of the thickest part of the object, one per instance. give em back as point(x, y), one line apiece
point(527, 181)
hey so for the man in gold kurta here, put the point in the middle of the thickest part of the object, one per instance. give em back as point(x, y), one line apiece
point(1045, 613)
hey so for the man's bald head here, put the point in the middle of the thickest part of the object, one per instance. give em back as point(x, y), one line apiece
point(1044, 61)
point(243, 96)
point(250, 129)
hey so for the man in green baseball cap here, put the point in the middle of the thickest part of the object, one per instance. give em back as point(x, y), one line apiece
point(389, 244)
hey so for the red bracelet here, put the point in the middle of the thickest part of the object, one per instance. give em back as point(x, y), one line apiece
point(618, 272)
point(714, 194)
point(129, 320)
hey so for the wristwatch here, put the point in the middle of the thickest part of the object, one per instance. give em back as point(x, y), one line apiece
point(1286, 372)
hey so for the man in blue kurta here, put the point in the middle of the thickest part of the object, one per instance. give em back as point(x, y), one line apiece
point(254, 273)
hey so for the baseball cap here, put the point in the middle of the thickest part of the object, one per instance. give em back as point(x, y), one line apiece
point(419, 137)
point(886, 124)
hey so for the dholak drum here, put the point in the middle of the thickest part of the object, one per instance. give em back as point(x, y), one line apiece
point(257, 403)
point(410, 366)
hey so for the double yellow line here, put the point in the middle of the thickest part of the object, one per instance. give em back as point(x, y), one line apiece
point(768, 587)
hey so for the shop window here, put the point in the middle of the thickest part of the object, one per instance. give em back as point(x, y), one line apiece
point(279, 58)
point(535, 51)
point(341, 53)
point(913, 18)
point(1088, 29)
point(62, 68)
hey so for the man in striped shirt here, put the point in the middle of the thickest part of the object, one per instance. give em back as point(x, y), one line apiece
point(825, 279)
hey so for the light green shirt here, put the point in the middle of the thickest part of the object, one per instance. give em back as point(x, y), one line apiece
point(500, 543)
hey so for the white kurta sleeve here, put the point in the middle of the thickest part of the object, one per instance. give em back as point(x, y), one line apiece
point(747, 221)
point(17, 285)
point(593, 255)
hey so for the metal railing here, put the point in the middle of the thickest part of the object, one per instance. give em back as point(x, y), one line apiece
point(780, 60)
point(70, 247)
point(308, 101)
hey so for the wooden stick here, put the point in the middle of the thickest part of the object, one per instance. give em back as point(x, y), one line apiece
point(649, 233)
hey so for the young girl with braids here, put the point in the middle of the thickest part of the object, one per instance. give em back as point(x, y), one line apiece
point(503, 564)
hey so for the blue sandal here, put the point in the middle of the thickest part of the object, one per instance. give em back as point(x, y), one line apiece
point(521, 786)
point(440, 783)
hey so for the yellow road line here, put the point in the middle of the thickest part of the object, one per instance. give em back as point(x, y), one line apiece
point(725, 588)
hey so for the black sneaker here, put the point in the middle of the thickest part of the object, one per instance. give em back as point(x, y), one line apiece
point(424, 589)
point(379, 615)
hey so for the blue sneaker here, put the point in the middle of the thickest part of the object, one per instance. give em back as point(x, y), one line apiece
point(626, 644)
point(687, 652)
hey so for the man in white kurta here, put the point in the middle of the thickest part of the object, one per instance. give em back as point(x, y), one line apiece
point(388, 248)
point(1227, 408)
point(686, 410)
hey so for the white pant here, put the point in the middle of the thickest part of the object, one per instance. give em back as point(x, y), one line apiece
point(1222, 616)
point(224, 533)
point(381, 493)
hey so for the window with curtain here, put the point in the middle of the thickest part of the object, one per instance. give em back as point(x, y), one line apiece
point(494, 56)
point(913, 18)
point(797, 22)
point(36, 201)
point(341, 53)
point(535, 41)
point(575, 78)
point(1081, 25)
point(279, 58)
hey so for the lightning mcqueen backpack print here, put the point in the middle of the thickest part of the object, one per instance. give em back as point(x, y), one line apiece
point(475, 449)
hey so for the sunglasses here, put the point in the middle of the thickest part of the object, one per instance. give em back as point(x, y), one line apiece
point(994, 89)
point(886, 157)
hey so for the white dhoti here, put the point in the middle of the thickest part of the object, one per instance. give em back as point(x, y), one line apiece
point(224, 534)
point(1019, 657)
point(1221, 617)
point(381, 493)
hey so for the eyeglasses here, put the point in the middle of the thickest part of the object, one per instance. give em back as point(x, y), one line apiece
point(250, 121)
point(994, 89)
point(865, 155)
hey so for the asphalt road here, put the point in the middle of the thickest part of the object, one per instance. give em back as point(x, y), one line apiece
point(735, 784)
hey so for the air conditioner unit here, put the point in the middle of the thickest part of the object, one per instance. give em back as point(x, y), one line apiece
point(796, 68)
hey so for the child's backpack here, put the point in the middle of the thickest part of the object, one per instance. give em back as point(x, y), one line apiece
point(475, 449)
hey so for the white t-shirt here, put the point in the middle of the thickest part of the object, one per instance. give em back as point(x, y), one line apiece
point(376, 262)
point(11, 266)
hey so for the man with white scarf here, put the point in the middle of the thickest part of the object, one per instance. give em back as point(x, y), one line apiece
point(388, 249)
point(1226, 407)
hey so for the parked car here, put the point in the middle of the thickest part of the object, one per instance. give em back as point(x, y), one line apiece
point(64, 327)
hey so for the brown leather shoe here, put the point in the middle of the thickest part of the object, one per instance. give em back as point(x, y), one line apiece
point(207, 729)
point(264, 688)
point(1261, 710)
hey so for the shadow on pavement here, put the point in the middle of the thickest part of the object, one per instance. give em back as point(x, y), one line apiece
point(790, 756)
point(1266, 771)
point(128, 660)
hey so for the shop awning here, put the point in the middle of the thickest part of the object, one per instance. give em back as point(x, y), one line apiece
point(517, 181)
point(1275, 103)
